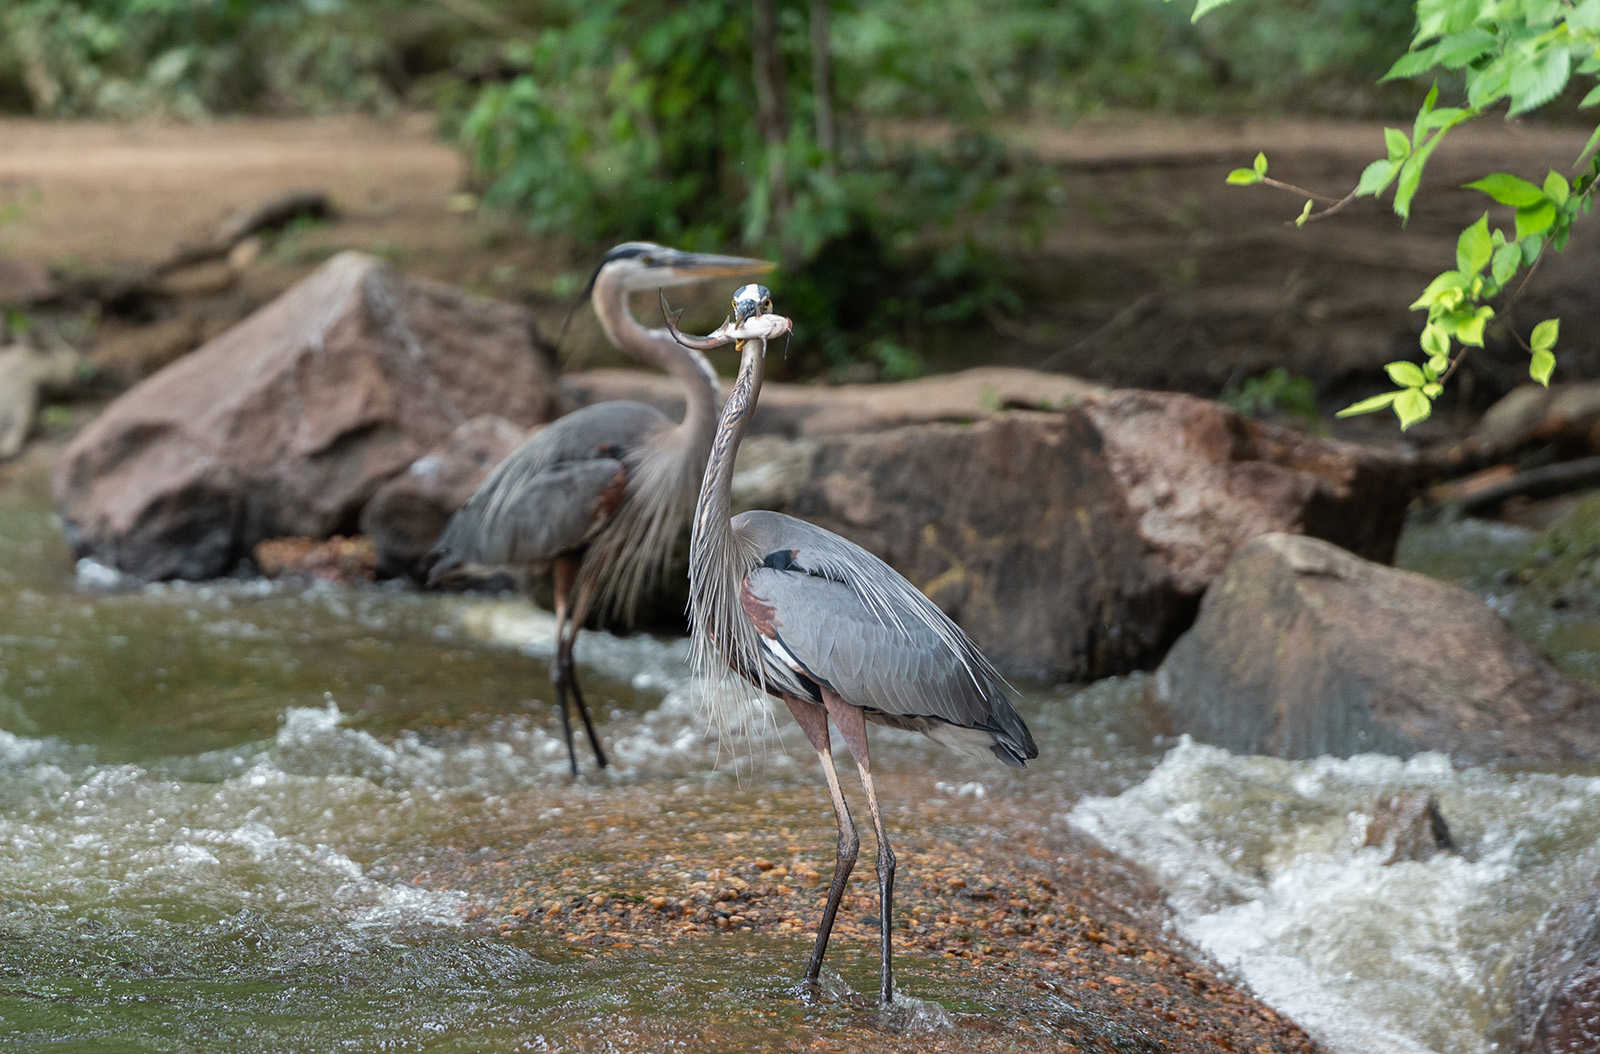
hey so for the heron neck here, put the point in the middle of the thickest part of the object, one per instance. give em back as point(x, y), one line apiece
point(712, 511)
point(656, 347)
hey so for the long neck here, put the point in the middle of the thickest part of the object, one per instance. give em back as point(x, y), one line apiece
point(656, 346)
point(723, 640)
point(712, 512)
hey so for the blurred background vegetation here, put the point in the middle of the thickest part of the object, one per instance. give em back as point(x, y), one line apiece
point(896, 201)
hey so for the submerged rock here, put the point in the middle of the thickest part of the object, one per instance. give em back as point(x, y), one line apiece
point(289, 422)
point(1302, 649)
point(1409, 826)
point(406, 515)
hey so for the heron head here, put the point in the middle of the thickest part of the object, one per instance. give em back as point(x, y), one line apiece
point(749, 301)
point(646, 265)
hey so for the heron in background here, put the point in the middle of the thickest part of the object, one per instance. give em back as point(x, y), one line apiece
point(599, 496)
point(830, 629)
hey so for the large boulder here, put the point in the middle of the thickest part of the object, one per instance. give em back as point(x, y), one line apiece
point(1077, 543)
point(1303, 649)
point(406, 515)
point(289, 422)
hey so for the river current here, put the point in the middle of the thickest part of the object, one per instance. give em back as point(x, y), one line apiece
point(201, 788)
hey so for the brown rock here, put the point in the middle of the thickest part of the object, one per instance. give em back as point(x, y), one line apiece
point(1558, 1005)
point(336, 559)
point(1077, 543)
point(1303, 649)
point(290, 421)
point(1409, 826)
point(406, 515)
point(815, 410)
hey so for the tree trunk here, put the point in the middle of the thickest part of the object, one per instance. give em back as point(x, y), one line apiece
point(822, 85)
point(769, 99)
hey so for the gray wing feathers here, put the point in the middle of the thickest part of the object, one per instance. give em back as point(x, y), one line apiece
point(541, 500)
point(856, 623)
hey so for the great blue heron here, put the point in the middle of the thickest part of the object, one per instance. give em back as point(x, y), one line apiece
point(598, 496)
point(830, 629)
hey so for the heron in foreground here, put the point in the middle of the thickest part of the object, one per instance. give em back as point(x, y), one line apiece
point(830, 629)
point(599, 496)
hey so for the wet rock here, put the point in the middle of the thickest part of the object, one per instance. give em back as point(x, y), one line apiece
point(406, 515)
point(288, 423)
point(1077, 543)
point(336, 559)
point(1303, 649)
point(1558, 981)
point(1409, 826)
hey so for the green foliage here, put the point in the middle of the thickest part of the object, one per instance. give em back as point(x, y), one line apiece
point(633, 120)
point(1522, 53)
point(192, 58)
point(1274, 391)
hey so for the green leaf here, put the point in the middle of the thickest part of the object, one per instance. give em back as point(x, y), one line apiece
point(1375, 177)
point(1367, 406)
point(1432, 391)
point(1536, 82)
point(1470, 329)
point(1411, 64)
point(1260, 164)
point(1243, 177)
point(1406, 188)
point(1545, 334)
point(1590, 145)
point(1201, 7)
point(1395, 141)
point(1508, 190)
point(1556, 187)
point(1507, 259)
point(1439, 364)
point(1458, 49)
point(1535, 219)
point(1300, 220)
point(1412, 406)
point(1541, 366)
point(1406, 374)
point(1590, 99)
point(1474, 247)
point(1449, 282)
point(1585, 15)
point(1532, 246)
point(1435, 341)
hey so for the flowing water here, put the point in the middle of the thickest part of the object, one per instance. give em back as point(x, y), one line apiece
point(204, 791)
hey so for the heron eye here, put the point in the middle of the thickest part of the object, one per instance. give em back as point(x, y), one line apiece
point(647, 260)
point(766, 305)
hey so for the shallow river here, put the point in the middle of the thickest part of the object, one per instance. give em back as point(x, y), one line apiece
point(202, 789)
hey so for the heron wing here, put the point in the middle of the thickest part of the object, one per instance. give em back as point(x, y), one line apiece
point(552, 493)
point(840, 616)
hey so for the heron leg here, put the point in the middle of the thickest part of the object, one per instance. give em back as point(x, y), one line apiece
point(852, 724)
point(566, 569)
point(580, 611)
point(813, 721)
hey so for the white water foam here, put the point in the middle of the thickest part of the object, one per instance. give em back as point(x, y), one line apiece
point(118, 841)
point(1261, 863)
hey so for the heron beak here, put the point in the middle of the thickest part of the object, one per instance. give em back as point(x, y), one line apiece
point(681, 268)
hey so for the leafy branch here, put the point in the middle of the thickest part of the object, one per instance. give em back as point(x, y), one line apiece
point(1522, 52)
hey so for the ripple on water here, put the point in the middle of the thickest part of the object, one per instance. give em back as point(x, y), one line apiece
point(1262, 862)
